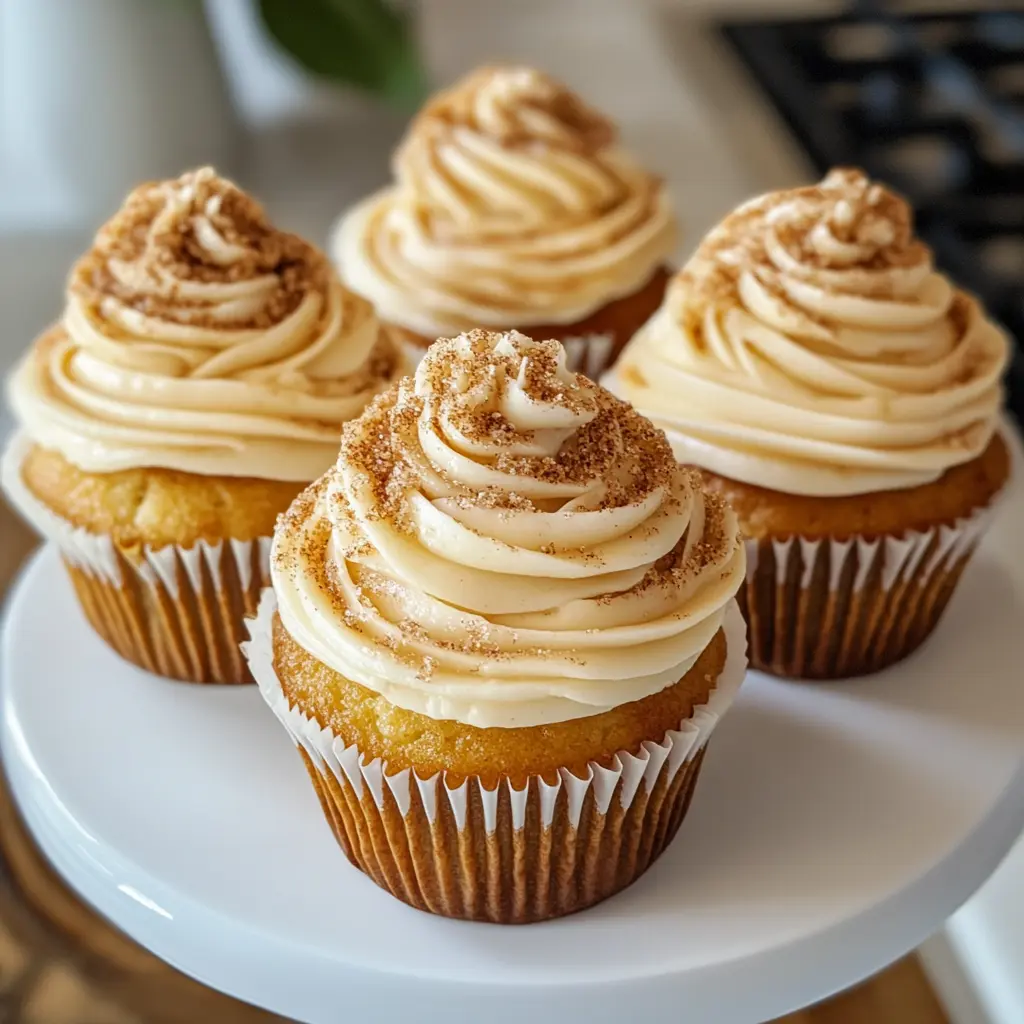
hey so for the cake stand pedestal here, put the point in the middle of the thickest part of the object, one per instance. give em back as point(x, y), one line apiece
point(833, 829)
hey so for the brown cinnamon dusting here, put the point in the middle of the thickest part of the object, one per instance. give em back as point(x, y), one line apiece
point(523, 110)
point(617, 446)
point(294, 523)
point(535, 109)
point(683, 565)
point(852, 207)
point(154, 242)
point(460, 381)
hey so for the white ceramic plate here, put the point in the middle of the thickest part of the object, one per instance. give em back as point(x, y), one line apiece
point(834, 827)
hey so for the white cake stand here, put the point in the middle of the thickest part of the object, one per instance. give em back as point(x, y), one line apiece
point(834, 828)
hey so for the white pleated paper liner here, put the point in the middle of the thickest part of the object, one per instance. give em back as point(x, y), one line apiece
point(506, 854)
point(589, 354)
point(347, 764)
point(177, 612)
point(831, 609)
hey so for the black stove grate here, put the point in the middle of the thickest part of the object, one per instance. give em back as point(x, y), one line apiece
point(933, 104)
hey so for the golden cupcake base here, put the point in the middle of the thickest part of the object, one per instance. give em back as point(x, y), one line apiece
point(507, 848)
point(134, 545)
point(847, 586)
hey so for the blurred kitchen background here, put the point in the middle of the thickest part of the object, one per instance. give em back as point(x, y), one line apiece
point(302, 105)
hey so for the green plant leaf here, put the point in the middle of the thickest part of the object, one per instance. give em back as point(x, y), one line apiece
point(366, 43)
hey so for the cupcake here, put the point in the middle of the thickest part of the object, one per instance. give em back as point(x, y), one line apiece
point(844, 397)
point(196, 383)
point(513, 207)
point(501, 630)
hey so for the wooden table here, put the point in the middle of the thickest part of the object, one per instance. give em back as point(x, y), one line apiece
point(61, 963)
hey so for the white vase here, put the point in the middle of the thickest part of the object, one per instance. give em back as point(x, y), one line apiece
point(98, 95)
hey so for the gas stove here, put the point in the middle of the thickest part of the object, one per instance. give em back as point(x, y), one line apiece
point(934, 105)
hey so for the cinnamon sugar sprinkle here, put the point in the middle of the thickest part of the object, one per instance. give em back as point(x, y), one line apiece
point(446, 161)
point(846, 203)
point(159, 241)
point(615, 444)
point(524, 107)
point(460, 382)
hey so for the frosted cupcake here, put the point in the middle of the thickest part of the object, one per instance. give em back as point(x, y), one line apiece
point(197, 381)
point(844, 396)
point(513, 207)
point(503, 629)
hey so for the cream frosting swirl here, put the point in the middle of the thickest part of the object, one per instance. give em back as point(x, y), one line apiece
point(197, 337)
point(811, 347)
point(513, 206)
point(505, 544)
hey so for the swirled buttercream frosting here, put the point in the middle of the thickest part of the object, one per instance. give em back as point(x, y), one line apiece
point(811, 347)
point(504, 543)
point(513, 206)
point(197, 337)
